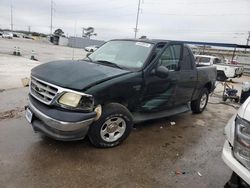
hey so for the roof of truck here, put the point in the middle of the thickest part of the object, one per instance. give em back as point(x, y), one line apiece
point(155, 41)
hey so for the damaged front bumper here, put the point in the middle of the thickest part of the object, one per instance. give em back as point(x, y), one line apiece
point(56, 123)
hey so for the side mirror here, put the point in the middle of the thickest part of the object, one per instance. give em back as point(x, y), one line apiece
point(162, 72)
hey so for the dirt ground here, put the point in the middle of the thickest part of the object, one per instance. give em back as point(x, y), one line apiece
point(156, 154)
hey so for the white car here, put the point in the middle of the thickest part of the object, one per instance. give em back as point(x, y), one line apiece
point(7, 35)
point(236, 150)
point(224, 71)
point(91, 48)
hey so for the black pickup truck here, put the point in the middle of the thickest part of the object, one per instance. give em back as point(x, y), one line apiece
point(121, 83)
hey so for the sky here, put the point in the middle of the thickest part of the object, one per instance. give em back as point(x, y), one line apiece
point(197, 20)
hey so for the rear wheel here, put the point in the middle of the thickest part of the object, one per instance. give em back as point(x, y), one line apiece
point(237, 99)
point(198, 105)
point(114, 126)
point(224, 98)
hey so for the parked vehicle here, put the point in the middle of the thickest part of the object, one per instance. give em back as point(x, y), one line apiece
point(236, 150)
point(234, 62)
point(91, 48)
point(7, 35)
point(224, 71)
point(122, 83)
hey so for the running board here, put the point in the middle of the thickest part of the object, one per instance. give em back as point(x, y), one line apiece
point(140, 117)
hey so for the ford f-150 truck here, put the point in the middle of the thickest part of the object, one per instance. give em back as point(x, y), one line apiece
point(123, 82)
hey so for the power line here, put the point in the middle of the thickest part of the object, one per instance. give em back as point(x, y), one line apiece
point(173, 14)
point(96, 10)
point(193, 2)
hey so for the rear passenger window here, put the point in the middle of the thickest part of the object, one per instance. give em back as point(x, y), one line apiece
point(217, 61)
point(171, 57)
point(187, 60)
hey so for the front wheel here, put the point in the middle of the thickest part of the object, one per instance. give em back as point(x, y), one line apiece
point(114, 126)
point(198, 105)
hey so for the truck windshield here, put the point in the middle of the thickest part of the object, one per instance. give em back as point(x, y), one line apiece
point(125, 54)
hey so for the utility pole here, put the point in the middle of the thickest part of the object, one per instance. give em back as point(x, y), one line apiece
point(137, 17)
point(51, 15)
point(11, 17)
point(248, 40)
point(29, 28)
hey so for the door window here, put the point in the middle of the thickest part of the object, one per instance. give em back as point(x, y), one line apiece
point(171, 57)
point(187, 60)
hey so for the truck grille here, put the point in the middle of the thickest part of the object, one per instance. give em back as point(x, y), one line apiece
point(42, 91)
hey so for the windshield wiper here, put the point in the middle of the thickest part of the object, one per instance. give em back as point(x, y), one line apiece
point(109, 63)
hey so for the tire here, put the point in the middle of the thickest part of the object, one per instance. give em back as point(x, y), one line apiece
point(237, 99)
point(198, 105)
point(91, 50)
point(113, 127)
point(224, 98)
point(221, 76)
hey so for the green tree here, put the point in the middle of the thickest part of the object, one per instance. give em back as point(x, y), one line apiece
point(58, 32)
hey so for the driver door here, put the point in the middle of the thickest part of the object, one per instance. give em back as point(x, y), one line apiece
point(160, 92)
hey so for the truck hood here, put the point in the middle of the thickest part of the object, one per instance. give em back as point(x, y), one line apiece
point(76, 75)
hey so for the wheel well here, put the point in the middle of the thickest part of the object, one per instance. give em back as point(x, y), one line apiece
point(119, 100)
point(208, 86)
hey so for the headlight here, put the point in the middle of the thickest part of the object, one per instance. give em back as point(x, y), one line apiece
point(76, 101)
point(242, 141)
point(70, 99)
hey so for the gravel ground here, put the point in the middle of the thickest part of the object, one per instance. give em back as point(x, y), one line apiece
point(44, 51)
point(14, 68)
